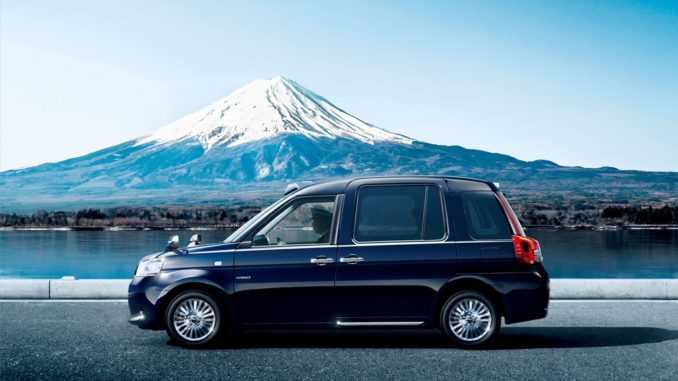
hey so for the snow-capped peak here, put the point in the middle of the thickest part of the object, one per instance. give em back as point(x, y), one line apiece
point(267, 107)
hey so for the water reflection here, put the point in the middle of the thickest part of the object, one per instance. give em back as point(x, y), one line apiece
point(609, 254)
point(106, 254)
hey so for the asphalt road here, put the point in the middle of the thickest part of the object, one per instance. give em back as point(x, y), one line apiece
point(579, 340)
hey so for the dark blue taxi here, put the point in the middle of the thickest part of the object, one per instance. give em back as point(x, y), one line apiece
point(380, 252)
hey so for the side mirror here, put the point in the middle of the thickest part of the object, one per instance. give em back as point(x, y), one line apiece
point(195, 240)
point(172, 243)
point(244, 245)
point(260, 240)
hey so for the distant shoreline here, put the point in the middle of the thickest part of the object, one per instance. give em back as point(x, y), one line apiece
point(233, 227)
point(552, 216)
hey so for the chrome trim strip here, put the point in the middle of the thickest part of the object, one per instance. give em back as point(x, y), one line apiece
point(378, 323)
point(325, 246)
point(486, 241)
point(207, 245)
point(392, 243)
point(213, 252)
point(398, 243)
point(287, 247)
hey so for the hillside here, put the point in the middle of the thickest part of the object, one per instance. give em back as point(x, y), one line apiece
point(247, 146)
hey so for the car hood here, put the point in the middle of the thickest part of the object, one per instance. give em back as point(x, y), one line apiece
point(204, 248)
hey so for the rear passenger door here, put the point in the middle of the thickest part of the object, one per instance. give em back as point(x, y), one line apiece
point(394, 253)
point(484, 233)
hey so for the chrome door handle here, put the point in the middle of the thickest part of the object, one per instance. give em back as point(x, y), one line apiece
point(321, 261)
point(351, 259)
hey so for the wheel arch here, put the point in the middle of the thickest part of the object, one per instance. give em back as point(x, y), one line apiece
point(222, 297)
point(467, 283)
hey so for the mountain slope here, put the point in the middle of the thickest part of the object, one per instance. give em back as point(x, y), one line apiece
point(273, 131)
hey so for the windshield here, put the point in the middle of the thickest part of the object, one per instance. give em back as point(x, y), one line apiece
point(237, 235)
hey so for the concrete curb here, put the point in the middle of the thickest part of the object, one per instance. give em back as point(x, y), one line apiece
point(560, 289)
point(24, 288)
point(89, 289)
point(63, 289)
point(614, 288)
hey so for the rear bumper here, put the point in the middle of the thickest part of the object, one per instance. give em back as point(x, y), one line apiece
point(530, 301)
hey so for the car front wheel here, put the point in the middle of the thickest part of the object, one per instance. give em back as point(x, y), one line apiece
point(469, 318)
point(193, 319)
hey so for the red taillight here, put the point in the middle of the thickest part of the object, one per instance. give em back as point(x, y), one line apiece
point(527, 250)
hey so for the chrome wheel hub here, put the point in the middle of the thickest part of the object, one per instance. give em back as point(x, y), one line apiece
point(194, 319)
point(470, 319)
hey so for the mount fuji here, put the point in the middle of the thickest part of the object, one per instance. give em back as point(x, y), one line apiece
point(272, 131)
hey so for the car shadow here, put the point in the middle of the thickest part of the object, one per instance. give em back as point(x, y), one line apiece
point(510, 338)
point(579, 337)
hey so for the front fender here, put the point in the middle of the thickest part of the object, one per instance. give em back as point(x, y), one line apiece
point(221, 279)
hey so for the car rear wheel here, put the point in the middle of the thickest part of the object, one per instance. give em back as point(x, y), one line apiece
point(469, 318)
point(193, 319)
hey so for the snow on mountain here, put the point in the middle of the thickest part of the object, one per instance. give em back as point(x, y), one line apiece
point(273, 131)
point(265, 108)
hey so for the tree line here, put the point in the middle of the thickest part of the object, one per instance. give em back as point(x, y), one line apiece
point(594, 215)
point(553, 214)
point(635, 215)
point(134, 217)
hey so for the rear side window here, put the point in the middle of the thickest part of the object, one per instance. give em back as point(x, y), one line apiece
point(399, 213)
point(484, 217)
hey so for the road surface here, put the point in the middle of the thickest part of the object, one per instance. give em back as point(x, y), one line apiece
point(588, 340)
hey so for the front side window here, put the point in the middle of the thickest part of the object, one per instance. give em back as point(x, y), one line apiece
point(399, 213)
point(484, 217)
point(242, 230)
point(305, 221)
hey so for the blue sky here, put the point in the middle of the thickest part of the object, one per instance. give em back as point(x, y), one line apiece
point(588, 83)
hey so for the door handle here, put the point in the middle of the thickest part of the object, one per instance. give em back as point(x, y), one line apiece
point(351, 259)
point(321, 260)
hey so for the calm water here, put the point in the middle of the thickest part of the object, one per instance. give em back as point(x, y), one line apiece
point(104, 254)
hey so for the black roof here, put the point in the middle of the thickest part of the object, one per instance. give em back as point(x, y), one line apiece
point(339, 186)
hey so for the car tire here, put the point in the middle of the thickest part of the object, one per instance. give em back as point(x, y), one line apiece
point(470, 318)
point(193, 319)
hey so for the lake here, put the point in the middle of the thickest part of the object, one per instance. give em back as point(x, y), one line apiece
point(115, 254)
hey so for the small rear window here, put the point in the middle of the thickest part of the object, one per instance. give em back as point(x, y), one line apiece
point(484, 217)
point(434, 227)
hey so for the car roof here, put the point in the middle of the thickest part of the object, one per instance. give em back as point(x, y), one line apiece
point(339, 186)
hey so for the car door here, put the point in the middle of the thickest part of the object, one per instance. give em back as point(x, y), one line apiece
point(395, 252)
point(287, 274)
point(485, 235)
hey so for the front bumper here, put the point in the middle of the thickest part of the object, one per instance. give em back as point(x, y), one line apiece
point(144, 312)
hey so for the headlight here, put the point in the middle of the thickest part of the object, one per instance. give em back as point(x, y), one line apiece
point(148, 267)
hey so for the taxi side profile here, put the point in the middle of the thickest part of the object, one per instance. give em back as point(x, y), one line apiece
point(382, 252)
